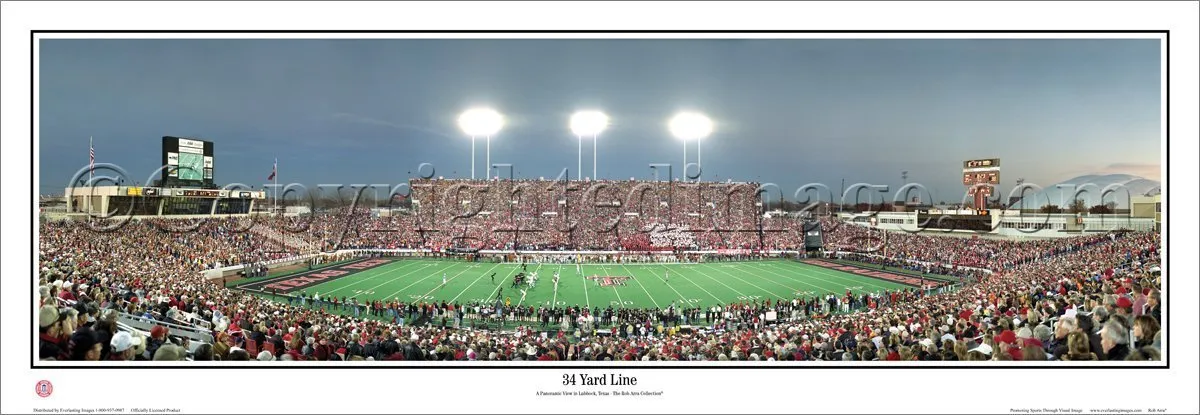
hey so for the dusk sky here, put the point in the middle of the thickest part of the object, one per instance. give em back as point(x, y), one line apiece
point(786, 111)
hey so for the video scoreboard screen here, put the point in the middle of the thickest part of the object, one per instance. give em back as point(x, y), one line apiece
point(188, 162)
point(989, 177)
point(981, 163)
point(981, 171)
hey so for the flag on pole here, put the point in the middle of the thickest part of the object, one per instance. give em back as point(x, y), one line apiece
point(91, 157)
point(274, 168)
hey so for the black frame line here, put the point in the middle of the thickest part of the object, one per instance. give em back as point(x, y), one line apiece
point(707, 366)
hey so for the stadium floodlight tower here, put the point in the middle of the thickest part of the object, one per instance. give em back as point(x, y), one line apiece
point(481, 122)
point(588, 123)
point(691, 126)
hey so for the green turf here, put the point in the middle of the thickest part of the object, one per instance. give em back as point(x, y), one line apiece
point(938, 277)
point(689, 284)
point(285, 273)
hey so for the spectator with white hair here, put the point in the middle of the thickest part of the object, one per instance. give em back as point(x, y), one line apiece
point(1064, 327)
point(1114, 338)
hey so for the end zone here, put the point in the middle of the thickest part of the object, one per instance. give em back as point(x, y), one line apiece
point(291, 283)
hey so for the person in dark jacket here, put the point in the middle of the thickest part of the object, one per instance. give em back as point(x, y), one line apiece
point(1144, 329)
point(105, 327)
point(50, 344)
point(1062, 328)
point(1114, 338)
point(1087, 326)
point(1078, 348)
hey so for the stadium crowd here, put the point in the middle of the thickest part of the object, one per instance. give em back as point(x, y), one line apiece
point(1079, 298)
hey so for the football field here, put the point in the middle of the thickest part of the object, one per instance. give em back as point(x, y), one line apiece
point(591, 285)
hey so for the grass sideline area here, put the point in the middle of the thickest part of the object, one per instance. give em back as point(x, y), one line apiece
point(594, 285)
point(286, 273)
point(938, 277)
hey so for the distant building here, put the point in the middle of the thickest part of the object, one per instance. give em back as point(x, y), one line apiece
point(1147, 207)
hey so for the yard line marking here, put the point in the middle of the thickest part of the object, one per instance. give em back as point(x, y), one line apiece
point(793, 289)
point(397, 293)
point(619, 300)
point(374, 277)
point(769, 292)
point(644, 287)
point(501, 284)
point(585, 284)
point(615, 290)
point(535, 270)
point(514, 269)
point(684, 275)
point(456, 275)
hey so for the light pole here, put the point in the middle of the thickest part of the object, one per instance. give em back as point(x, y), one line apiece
point(478, 122)
point(1020, 182)
point(588, 123)
point(691, 126)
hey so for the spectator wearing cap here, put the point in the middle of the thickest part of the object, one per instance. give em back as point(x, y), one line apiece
point(123, 346)
point(50, 344)
point(1125, 308)
point(83, 318)
point(85, 345)
point(1114, 338)
point(158, 336)
point(1144, 330)
point(1006, 342)
point(43, 295)
point(65, 293)
point(1032, 350)
point(69, 318)
point(980, 353)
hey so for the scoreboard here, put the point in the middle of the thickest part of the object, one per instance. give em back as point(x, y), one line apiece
point(187, 162)
point(982, 163)
point(987, 177)
point(980, 176)
point(982, 171)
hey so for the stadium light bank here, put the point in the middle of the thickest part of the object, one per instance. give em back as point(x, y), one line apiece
point(481, 122)
point(690, 126)
point(588, 123)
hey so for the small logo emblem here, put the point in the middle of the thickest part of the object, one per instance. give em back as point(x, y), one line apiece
point(610, 280)
point(44, 388)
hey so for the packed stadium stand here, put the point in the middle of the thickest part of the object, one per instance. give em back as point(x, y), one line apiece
point(145, 291)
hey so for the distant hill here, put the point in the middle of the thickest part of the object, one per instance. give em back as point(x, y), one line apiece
point(1093, 185)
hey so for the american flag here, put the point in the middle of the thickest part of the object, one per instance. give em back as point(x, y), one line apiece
point(274, 168)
